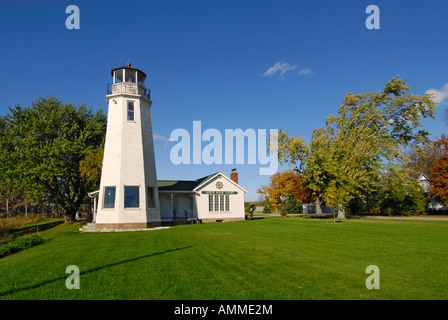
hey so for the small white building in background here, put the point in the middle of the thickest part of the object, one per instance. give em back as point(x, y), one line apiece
point(433, 204)
point(130, 196)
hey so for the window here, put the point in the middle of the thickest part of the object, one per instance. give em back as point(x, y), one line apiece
point(210, 202)
point(109, 197)
point(221, 202)
point(130, 110)
point(119, 76)
point(140, 79)
point(130, 76)
point(131, 197)
point(151, 200)
point(216, 203)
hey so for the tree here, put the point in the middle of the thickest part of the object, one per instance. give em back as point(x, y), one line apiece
point(266, 208)
point(420, 158)
point(290, 150)
point(402, 194)
point(47, 142)
point(90, 168)
point(284, 185)
point(367, 137)
point(249, 208)
point(291, 206)
point(438, 172)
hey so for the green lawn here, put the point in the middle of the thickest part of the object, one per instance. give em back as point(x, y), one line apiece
point(271, 258)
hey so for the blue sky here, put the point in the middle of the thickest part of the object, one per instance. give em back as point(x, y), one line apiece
point(209, 60)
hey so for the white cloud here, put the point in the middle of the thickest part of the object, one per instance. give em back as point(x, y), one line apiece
point(304, 72)
point(280, 68)
point(439, 95)
point(166, 140)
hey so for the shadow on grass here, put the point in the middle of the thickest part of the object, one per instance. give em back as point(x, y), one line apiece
point(321, 216)
point(255, 218)
point(35, 228)
point(35, 286)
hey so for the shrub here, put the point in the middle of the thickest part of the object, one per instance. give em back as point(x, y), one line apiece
point(406, 199)
point(291, 206)
point(19, 244)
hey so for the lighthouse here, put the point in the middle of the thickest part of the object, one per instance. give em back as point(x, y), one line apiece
point(128, 196)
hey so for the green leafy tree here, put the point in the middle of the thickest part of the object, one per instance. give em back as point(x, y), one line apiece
point(268, 206)
point(367, 136)
point(12, 189)
point(402, 194)
point(249, 208)
point(90, 168)
point(290, 150)
point(420, 158)
point(291, 206)
point(46, 143)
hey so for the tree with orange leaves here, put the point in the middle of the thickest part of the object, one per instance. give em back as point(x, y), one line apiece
point(285, 185)
point(438, 172)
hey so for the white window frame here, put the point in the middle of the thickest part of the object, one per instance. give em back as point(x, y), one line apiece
point(210, 203)
point(133, 110)
point(219, 203)
point(227, 203)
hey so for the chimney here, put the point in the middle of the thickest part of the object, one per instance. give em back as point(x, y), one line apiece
point(234, 176)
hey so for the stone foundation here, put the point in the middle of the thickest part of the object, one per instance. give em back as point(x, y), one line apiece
point(126, 226)
point(144, 225)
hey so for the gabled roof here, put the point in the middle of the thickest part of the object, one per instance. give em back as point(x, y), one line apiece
point(210, 177)
point(423, 176)
point(190, 185)
point(182, 185)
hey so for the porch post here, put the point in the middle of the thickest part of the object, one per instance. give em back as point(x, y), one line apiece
point(171, 206)
point(94, 209)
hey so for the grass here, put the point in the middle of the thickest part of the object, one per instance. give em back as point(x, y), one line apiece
point(271, 258)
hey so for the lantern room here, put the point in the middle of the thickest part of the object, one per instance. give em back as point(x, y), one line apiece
point(128, 80)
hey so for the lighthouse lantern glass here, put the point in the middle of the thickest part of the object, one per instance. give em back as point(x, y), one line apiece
point(140, 79)
point(130, 76)
point(118, 76)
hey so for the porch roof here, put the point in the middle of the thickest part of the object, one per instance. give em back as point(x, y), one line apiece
point(181, 185)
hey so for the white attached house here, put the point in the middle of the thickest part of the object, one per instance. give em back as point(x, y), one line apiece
point(209, 199)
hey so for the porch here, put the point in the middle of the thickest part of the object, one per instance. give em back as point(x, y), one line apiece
point(177, 208)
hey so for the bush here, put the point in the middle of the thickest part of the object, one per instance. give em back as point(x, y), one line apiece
point(249, 208)
point(291, 206)
point(408, 200)
point(19, 244)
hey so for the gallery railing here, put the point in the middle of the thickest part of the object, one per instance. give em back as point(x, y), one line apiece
point(132, 88)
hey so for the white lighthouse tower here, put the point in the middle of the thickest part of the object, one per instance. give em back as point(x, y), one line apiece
point(128, 196)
